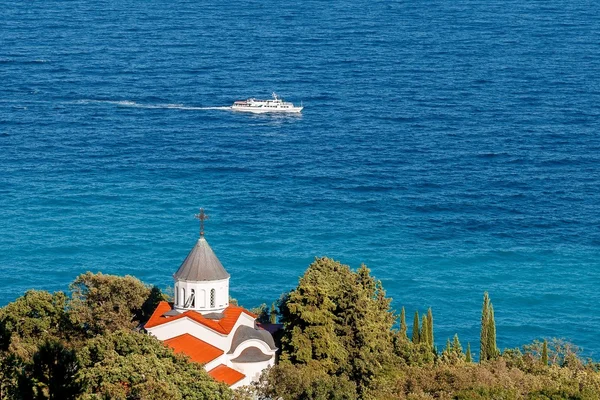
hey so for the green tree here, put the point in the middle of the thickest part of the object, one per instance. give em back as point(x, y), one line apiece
point(448, 349)
point(403, 327)
point(150, 304)
point(456, 346)
point(10, 367)
point(468, 357)
point(415, 330)
point(31, 319)
point(106, 303)
point(430, 328)
point(273, 314)
point(52, 374)
point(483, 337)
point(488, 349)
point(491, 345)
point(130, 365)
point(262, 313)
point(339, 318)
point(545, 353)
point(424, 334)
point(304, 381)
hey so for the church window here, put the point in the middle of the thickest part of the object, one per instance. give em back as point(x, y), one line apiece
point(193, 298)
point(182, 298)
point(212, 298)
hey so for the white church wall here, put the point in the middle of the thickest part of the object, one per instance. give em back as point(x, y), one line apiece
point(252, 370)
point(222, 359)
point(202, 291)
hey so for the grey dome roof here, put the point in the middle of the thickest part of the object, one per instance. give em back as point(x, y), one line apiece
point(201, 264)
point(244, 333)
point(251, 355)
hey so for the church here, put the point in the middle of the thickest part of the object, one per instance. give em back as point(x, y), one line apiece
point(200, 323)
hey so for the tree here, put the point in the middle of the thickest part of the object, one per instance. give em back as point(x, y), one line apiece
point(339, 318)
point(424, 334)
point(415, 330)
point(456, 346)
point(488, 349)
point(106, 303)
point(10, 366)
point(150, 304)
point(131, 365)
point(468, 357)
point(273, 314)
point(559, 352)
point(544, 358)
point(483, 341)
point(491, 345)
point(52, 374)
point(31, 319)
point(262, 313)
point(430, 328)
point(403, 327)
point(448, 348)
point(303, 381)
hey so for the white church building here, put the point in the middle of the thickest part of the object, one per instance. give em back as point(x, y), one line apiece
point(201, 323)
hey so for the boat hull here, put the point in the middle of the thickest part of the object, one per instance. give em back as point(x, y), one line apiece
point(261, 110)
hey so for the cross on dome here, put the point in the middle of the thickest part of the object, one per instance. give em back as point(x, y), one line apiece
point(201, 216)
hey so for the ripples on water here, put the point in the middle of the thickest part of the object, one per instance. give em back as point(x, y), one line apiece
point(451, 146)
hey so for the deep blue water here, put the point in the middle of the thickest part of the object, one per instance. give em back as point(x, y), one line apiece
point(452, 146)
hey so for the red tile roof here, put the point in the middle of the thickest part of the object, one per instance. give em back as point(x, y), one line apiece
point(223, 325)
point(196, 349)
point(223, 373)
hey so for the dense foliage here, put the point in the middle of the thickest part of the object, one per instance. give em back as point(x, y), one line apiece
point(340, 341)
point(88, 346)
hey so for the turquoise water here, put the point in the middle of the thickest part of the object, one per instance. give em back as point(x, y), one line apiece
point(452, 146)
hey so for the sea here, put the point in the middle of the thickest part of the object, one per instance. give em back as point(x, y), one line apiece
point(452, 146)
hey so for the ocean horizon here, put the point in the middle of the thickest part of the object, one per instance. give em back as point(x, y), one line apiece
point(452, 147)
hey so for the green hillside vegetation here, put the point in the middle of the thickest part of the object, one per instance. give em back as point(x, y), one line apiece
point(341, 340)
point(90, 346)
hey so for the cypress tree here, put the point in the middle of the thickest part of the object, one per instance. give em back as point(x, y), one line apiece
point(456, 347)
point(403, 327)
point(491, 347)
point(483, 338)
point(415, 330)
point(424, 336)
point(448, 348)
point(545, 353)
point(430, 327)
point(273, 314)
point(469, 358)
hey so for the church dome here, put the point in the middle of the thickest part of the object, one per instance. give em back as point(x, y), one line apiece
point(201, 264)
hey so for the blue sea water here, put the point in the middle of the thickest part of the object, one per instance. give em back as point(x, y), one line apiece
point(452, 146)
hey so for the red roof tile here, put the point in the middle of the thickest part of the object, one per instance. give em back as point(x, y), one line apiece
point(224, 325)
point(198, 350)
point(223, 373)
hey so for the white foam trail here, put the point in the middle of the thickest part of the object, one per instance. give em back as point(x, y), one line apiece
point(128, 103)
point(204, 108)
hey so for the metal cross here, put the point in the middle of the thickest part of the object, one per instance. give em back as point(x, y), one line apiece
point(202, 217)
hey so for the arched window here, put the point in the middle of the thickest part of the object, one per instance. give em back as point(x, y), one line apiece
point(212, 298)
point(182, 299)
point(193, 298)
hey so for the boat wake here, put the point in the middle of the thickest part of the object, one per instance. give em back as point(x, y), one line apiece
point(133, 104)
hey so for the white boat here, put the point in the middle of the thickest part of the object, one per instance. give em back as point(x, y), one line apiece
point(276, 105)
